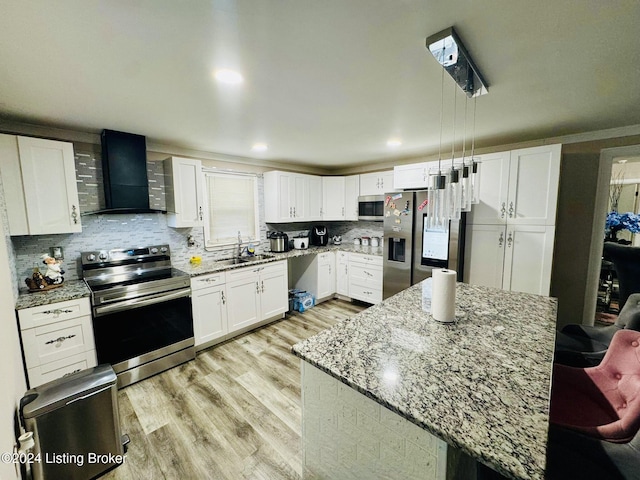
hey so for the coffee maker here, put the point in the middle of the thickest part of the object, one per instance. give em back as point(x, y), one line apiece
point(319, 235)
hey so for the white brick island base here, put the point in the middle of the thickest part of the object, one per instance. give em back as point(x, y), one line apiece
point(349, 436)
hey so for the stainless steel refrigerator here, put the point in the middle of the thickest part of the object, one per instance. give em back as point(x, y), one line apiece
point(411, 250)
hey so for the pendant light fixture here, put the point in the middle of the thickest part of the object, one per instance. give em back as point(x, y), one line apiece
point(447, 48)
point(437, 207)
point(453, 181)
point(475, 172)
point(465, 181)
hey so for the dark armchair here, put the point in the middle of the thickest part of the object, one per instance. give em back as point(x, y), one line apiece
point(626, 261)
point(585, 346)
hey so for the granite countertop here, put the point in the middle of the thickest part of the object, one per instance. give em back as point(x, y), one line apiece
point(214, 266)
point(69, 290)
point(482, 384)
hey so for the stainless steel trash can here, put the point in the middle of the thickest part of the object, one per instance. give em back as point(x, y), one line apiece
point(75, 425)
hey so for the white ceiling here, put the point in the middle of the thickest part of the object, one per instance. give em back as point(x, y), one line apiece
point(327, 82)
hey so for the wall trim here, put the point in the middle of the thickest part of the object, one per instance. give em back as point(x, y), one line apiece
point(57, 133)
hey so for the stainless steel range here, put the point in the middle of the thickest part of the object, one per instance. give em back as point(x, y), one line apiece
point(141, 310)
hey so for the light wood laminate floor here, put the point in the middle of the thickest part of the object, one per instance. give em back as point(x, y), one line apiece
point(232, 413)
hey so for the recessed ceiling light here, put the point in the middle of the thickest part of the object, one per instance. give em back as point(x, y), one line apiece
point(394, 142)
point(260, 147)
point(228, 76)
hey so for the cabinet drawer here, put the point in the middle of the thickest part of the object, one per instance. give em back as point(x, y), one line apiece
point(365, 293)
point(366, 259)
point(365, 275)
point(55, 312)
point(55, 341)
point(61, 368)
point(253, 271)
point(210, 280)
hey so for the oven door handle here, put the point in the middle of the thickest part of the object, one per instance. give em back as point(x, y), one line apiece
point(137, 303)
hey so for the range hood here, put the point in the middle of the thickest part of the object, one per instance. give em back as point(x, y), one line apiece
point(124, 168)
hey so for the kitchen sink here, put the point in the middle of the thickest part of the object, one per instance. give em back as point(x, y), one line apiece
point(241, 260)
point(230, 261)
point(256, 258)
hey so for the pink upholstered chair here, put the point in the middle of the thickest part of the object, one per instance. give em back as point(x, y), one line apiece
point(594, 432)
point(604, 401)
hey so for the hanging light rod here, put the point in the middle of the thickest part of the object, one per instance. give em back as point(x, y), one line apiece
point(448, 50)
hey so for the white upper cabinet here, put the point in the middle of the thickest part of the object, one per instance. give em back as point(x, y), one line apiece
point(292, 197)
point(39, 179)
point(377, 183)
point(184, 192)
point(351, 193)
point(494, 185)
point(413, 176)
point(312, 197)
point(519, 187)
point(333, 198)
point(340, 197)
point(534, 175)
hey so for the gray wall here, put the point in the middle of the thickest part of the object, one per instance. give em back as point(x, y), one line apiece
point(576, 202)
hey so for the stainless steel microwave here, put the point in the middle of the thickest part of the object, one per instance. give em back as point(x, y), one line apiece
point(371, 208)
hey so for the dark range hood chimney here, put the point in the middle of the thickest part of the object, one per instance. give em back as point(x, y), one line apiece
point(124, 168)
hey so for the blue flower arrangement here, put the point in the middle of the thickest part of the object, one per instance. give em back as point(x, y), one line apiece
point(622, 221)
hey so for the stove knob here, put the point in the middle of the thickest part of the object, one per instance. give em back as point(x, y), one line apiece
point(154, 250)
point(164, 249)
point(103, 256)
point(91, 257)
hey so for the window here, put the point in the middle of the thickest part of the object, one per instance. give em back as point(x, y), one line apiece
point(232, 207)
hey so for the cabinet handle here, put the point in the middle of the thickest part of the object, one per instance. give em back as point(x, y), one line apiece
point(503, 210)
point(370, 274)
point(290, 212)
point(257, 287)
point(258, 269)
point(262, 283)
point(509, 240)
point(294, 212)
point(329, 269)
point(343, 211)
point(71, 373)
point(74, 214)
point(59, 340)
point(511, 213)
point(222, 297)
point(501, 239)
point(346, 270)
point(57, 311)
point(200, 209)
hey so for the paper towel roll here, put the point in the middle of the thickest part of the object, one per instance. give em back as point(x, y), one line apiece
point(443, 295)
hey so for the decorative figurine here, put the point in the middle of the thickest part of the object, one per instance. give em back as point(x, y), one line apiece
point(53, 275)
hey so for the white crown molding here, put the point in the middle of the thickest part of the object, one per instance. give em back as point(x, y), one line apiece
point(18, 128)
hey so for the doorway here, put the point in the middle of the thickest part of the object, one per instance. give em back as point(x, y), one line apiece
point(606, 172)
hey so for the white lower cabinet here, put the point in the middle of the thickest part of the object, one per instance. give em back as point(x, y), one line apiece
point(256, 293)
point(315, 274)
point(209, 303)
point(342, 273)
point(516, 257)
point(57, 340)
point(365, 277)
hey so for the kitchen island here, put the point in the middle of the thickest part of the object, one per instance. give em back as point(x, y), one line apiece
point(428, 390)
